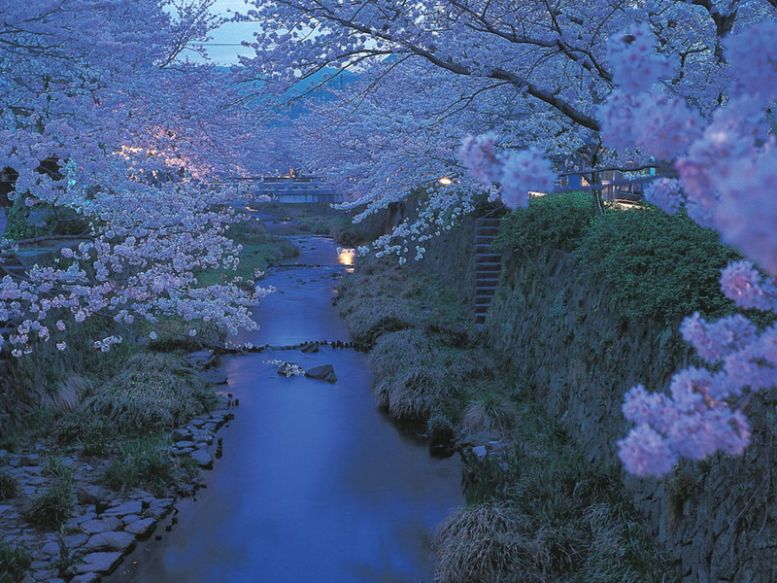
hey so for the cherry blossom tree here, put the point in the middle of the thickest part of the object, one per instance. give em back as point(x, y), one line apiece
point(532, 75)
point(685, 85)
point(103, 90)
point(727, 175)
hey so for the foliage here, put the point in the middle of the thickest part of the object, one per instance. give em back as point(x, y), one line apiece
point(319, 219)
point(56, 468)
point(657, 267)
point(52, 507)
point(14, 562)
point(259, 251)
point(380, 298)
point(550, 222)
point(140, 185)
point(142, 463)
point(489, 412)
point(9, 487)
point(153, 392)
point(575, 523)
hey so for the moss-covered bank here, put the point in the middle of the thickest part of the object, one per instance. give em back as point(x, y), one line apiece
point(586, 308)
point(537, 511)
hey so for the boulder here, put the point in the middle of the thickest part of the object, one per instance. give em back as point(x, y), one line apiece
point(325, 372)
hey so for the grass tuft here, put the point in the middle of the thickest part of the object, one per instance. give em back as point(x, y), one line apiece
point(52, 507)
point(9, 487)
point(14, 562)
point(154, 392)
point(142, 463)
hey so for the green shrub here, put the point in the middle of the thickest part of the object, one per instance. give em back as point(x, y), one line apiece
point(8, 486)
point(440, 430)
point(153, 392)
point(490, 542)
point(550, 222)
point(142, 463)
point(14, 562)
point(52, 507)
point(657, 266)
point(58, 469)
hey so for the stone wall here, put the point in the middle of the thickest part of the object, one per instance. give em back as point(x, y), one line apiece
point(577, 355)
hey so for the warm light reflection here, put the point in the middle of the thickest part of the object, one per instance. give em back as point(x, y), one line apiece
point(347, 257)
point(445, 181)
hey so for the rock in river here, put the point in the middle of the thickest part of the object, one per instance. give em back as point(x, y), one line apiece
point(325, 372)
point(290, 369)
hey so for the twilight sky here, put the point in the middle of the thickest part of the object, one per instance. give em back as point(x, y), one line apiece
point(231, 34)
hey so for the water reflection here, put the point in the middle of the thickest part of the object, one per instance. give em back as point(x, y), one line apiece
point(346, 257)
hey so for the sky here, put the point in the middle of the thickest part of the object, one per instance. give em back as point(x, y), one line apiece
point(230, 34)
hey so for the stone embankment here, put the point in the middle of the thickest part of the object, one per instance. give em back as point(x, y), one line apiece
point(103, 526)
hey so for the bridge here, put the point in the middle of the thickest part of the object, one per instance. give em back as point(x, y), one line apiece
point(288, 189)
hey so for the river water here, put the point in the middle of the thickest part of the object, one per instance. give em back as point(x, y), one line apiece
point(314, 485)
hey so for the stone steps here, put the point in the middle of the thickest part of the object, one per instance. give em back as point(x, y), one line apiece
point(488, 266)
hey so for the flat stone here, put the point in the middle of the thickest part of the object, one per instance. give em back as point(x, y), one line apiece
point(182, 434)
point(325, 372)
point(141, 528)
point(50, 549)
point(214, 377)
point(97, 563)
point(40, 565)
point(160, 507)
point(110, 541)
point(184, 444)
point(203, 459)
point(75, 540)
point(91, 494)
point(129, 518)
point(131, 507)
point(480, 451)
point(99, 525)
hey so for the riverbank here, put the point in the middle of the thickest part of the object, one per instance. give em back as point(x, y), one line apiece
point(536, 509)
point(98, 447)
point(314, 484)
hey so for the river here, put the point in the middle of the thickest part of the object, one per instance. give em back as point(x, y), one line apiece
point(315, 485)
